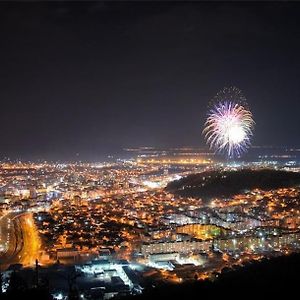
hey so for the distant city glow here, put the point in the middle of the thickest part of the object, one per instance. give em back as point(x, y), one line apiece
point(229, 125)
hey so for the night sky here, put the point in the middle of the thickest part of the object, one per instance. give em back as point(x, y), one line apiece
point(85, 80)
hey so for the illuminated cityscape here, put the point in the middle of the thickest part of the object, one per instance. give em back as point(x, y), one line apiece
point(120, 227)
point(149, 150)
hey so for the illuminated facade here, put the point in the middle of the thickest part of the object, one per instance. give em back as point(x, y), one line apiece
point(178, 247)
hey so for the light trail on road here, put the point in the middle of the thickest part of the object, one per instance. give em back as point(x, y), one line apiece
point(22, 241)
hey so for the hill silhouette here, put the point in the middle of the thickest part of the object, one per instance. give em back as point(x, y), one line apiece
point(227, 183)
point(270, 277)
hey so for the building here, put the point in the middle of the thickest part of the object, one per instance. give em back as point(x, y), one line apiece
point(66, 253)
point(258, 244)
point(192, 246)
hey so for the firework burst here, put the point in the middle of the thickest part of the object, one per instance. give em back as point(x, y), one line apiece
point(229, 125)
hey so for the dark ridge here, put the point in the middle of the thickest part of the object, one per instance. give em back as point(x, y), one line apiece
point(227, 183)
point(268, 277)
point(265, 278)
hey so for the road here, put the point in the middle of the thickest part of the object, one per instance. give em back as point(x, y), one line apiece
point(8, 236)
point(19, 239)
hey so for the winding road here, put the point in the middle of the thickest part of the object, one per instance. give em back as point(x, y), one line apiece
point(19, 240)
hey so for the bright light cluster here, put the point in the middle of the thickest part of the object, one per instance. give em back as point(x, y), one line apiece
point(230, 123)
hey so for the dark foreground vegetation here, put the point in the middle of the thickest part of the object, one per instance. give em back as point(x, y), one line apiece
point(266, 278)
point(274, 277)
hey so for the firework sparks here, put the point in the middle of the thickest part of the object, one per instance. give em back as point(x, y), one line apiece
point(229, 125)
